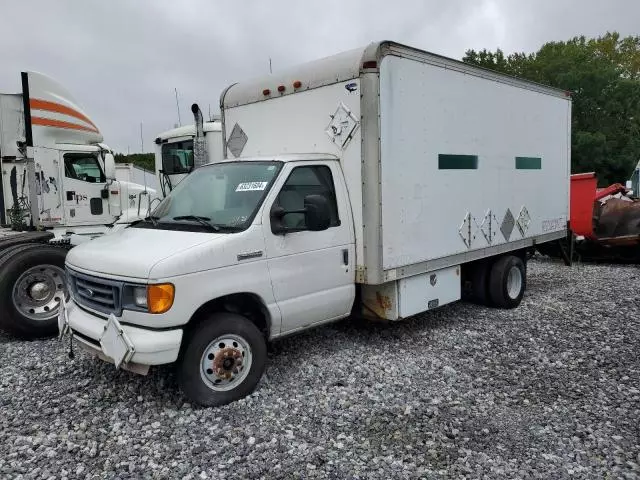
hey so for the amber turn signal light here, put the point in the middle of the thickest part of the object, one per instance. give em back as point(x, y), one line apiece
point(160, 297)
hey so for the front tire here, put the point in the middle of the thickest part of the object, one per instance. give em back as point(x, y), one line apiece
point(507, 282)
point(32, 285)
point(223, 360)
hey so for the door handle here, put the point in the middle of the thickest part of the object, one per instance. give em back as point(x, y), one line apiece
point(345, 256)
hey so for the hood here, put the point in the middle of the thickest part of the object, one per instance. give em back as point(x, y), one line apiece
point(133, 252)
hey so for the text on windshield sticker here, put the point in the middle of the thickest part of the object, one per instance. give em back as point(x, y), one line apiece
point(251, 186)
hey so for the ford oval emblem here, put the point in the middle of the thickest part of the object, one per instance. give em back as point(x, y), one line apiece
point(88, 292)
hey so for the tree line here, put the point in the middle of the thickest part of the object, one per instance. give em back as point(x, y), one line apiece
point(142, 160)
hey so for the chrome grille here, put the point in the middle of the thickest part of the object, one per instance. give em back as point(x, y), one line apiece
point(96, 293)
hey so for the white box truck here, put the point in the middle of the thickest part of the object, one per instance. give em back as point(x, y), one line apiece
point(383, 181)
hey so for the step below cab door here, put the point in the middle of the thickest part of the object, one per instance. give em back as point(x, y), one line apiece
point(312, 272)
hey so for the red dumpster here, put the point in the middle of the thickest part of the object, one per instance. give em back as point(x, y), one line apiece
point(583, 194)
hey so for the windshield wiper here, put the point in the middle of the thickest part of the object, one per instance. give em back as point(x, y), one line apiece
point(229, 228)
point(151, 218)
point(201, 220)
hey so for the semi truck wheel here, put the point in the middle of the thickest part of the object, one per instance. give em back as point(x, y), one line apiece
point(507, 282)
point(32, 285)
point(223, 360)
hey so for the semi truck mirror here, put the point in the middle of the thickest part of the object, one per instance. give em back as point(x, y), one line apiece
point(109, 166)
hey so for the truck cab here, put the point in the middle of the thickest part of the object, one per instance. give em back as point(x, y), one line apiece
point(174, 156)
point(230, 218)
point(56, 172)
point(57, 189)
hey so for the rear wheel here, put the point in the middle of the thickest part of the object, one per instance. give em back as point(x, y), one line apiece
point(477, 276)
point(32, 286)
point(507, 282)
point(224, 358)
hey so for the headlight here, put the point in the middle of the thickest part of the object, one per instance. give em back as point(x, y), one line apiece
point(154, 298)
point(140, 296)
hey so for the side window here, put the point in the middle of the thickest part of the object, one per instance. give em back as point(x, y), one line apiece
point(303, 181)
point(83, 166)
point(177, 157)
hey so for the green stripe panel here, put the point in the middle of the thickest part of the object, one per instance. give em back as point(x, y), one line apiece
point(457, 162)
point(528, 163)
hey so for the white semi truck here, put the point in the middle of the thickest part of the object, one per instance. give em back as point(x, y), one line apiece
point(57, 188)
point(384, 181)
point(174, 152)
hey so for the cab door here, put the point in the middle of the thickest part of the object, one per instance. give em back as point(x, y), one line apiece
point(83, 189)
point(312, 272)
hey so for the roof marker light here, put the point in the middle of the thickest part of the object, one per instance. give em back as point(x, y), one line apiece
point(297, 84)
point(266, 92)
point(370, 64)
point(281, 88)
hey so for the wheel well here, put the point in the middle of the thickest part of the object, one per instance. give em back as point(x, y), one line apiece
point(249, 305)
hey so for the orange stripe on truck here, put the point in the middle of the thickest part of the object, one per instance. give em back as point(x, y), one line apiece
point(48, 122)
point(37, 104)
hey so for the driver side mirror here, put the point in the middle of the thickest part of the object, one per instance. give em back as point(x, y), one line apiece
point(317, 213)
point(109, 166)
point(317, 216)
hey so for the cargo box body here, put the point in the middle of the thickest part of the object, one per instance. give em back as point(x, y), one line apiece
point(445, 163)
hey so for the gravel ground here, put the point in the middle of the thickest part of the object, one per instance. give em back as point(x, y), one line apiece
point(549, 390)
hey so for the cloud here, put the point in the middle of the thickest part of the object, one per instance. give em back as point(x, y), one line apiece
point(122, 59)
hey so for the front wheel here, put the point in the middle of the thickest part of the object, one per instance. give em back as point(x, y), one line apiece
point(32, 286)
point(223, 360)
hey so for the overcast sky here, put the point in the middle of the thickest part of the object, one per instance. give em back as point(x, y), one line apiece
point(122, 59)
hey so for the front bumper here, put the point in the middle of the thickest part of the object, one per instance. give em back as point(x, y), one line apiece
point(151, 347)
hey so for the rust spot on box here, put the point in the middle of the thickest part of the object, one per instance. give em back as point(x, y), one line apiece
point(384, 302)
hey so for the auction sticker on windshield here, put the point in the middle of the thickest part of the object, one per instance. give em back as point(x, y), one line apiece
point(251, 186)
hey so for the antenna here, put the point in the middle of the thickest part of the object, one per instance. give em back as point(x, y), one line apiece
point(178, 107)
point(210, 119)
point(144, 175)
point(141, 139)
point(270, 70)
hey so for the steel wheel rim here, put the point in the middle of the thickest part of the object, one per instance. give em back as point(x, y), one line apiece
point(38, 291)
point(226, 362)
point(514, 282)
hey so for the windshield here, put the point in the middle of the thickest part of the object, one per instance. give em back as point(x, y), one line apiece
point(218, 197)
point(177, 157)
